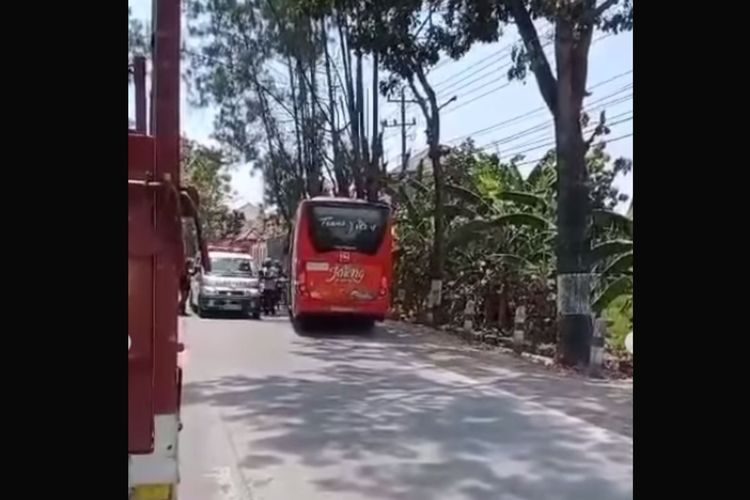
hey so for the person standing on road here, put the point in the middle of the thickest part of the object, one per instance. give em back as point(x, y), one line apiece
point(268, 275)
point(185, 285)
point(278, 275)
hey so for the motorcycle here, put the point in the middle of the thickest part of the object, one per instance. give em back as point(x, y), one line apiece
point(269, 297)
point(282, 285)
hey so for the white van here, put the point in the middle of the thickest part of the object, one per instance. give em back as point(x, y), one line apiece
point(231, 286)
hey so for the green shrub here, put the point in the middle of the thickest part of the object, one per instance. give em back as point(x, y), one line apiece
point(619, 315)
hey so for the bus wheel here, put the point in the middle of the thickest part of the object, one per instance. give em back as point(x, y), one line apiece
point(367, 325)
point(301, 325)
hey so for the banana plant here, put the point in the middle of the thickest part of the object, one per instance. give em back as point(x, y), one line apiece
point(612, 260)
point(498, 219)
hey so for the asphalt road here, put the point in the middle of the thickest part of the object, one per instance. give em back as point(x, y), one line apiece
point(395, 414)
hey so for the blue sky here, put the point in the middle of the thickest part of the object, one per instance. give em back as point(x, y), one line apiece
point(521, 123)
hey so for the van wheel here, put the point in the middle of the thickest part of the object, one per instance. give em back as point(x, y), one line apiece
point(202, 313)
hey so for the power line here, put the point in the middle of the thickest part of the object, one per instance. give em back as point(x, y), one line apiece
point(480, 78)
point(496, 53)
point(539, 109)
point(496, 89)
point(542, 126)
point(547, 141)
point(548, 137)
point(467, 76)
point(445, 81)
point(528, 114)
point(536, 160)
point(606, 141)
point(545, 44)
point(491, 73)
point(481, 96)
point(439, 90)
point(595, 105)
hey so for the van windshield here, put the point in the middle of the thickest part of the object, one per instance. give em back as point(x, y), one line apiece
point(358, 228)
point(232, 266)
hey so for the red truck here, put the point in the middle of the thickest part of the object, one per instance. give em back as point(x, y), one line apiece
point(156, 205)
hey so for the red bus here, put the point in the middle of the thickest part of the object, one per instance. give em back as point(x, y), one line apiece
point(341, 263)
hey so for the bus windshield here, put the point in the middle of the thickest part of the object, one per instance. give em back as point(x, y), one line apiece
point(358, 228)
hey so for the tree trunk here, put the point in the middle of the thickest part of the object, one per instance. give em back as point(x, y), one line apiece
point(315, 175)
point(573, 210)
point(363, 146)
point(564, 97)
point(341, 188)
point(373, 173)
point(295, 112)
point(431, 112)
point(437, 258)
point(304, 123)
point(352, 109)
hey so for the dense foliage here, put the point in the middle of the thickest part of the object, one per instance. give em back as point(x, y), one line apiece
point(137, 37)
point(287, 78)
point(501, 236)
point(206, 169)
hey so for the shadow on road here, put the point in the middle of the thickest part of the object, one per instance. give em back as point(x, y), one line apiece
point(608, 404)
point(334, 328)
point(370, 424)
point(231, 315)
point(222, 315)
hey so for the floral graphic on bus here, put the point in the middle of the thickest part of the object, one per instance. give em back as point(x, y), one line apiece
point(346, 274)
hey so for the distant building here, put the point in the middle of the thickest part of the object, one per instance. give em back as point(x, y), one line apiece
point(250, 211)
point(412, 166)
point(251, 231)
point(420, 161)
point(262, 235)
